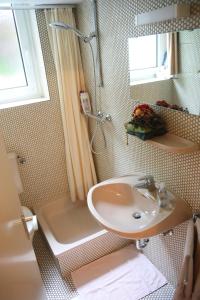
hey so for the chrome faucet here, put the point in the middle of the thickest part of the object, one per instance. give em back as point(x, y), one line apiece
point(156, 191)
point(162, 196)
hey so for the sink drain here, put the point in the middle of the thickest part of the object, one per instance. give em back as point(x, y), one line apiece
point(136, 215)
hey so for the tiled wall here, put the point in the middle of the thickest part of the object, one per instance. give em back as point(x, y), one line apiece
point(180, 172)
point(152, 91)
point(35, 132)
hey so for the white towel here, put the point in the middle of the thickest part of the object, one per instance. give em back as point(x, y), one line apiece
point(188, 287)
point(196, 289)
point(122, 275)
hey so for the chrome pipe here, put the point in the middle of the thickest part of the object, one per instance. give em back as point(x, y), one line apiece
point(100, 84)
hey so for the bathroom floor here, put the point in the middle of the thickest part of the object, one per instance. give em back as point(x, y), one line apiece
point(58, 288)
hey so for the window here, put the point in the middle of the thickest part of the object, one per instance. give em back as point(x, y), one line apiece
point(148, 58)
point(22, 73)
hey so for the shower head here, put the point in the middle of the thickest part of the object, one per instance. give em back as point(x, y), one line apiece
point(82, 36)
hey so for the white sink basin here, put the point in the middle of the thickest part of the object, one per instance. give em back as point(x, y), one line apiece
point(121, 208)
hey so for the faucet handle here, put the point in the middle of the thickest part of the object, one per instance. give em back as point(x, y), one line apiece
point(148, 183)
point(162, 190)
point(149, 179)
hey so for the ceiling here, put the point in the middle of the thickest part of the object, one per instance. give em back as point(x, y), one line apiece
point(38, 2)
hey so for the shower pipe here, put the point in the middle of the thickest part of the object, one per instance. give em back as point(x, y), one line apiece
point(94, 2)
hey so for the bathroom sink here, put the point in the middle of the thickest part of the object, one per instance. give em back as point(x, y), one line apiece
point(133, 213)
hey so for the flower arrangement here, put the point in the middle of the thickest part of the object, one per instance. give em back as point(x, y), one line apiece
point(145, 123)
point(164, 103)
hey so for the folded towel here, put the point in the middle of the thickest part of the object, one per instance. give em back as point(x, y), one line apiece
point(122, 275)
point(196, 288)
point(184, 286)
point(188, 287)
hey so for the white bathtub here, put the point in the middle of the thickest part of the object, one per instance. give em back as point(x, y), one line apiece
point(73, 235)
point(65, 226)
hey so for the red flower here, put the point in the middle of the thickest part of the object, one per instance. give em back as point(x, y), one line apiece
point(142, 109)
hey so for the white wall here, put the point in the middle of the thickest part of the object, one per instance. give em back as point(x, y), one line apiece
point(187, 85)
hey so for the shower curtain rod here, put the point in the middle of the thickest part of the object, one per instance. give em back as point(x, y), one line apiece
point(30, 7)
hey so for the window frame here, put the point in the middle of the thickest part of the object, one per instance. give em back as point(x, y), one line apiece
point(157, 73)
point(32, 59)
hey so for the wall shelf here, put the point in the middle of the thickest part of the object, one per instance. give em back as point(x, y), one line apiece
point(173, 143)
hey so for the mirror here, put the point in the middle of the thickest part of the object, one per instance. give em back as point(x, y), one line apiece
point(165, 70)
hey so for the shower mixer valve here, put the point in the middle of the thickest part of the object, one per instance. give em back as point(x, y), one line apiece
point(103, 117)
point(100, 117)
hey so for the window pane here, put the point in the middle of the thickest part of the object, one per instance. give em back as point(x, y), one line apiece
point(11, 64)
point(142, 52)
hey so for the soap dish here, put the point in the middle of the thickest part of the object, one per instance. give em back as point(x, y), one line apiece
point(173, 143)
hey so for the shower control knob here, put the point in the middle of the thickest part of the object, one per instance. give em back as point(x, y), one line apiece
point(108, 118)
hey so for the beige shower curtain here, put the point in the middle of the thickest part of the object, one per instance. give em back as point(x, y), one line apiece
point(65, 48)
